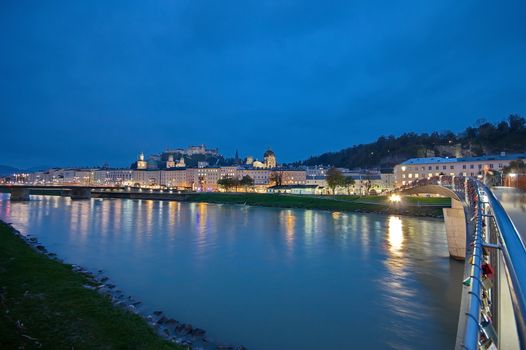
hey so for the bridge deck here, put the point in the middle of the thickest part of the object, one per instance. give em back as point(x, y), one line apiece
point(514, 202)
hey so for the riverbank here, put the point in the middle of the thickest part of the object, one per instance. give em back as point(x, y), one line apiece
point(410, 205)
point(50, 305)
point(423, 207)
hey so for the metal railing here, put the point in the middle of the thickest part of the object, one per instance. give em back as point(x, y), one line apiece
point(493, 239)
point(471, 330)
point(513, 251)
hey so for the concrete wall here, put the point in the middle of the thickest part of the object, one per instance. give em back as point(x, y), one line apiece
point(455, 220)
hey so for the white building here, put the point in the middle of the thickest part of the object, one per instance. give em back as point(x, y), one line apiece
point(174, 178)
point(113, 176)
point(147, 177)
point(421, 168)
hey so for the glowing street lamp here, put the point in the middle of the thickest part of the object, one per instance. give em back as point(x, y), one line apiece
point(395, 198)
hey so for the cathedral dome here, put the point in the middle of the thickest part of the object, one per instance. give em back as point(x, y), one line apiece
point(269, 153)
point(269, 159)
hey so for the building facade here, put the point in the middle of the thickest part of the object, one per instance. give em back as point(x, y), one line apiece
point(421, 168)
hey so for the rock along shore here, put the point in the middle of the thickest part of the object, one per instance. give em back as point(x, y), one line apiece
point(183, 334)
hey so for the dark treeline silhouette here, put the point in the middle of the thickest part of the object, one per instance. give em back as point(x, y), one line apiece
point(483, 139)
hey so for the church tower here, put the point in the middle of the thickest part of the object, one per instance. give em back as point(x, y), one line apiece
point(141, 163)
point(180, 163)
point(269, 159)
point(170, 162)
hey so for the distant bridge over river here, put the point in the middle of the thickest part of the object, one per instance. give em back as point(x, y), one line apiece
point(22, 192)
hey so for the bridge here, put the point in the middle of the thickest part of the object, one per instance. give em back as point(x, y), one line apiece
point(21, 192)
point(493, 305)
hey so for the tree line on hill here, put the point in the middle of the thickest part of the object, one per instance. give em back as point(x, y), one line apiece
point(482, 139)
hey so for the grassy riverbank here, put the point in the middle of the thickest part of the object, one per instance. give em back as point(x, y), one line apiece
point(427, 207)
point(44, 302)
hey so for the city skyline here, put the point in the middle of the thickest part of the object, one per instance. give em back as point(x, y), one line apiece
point(107, 80)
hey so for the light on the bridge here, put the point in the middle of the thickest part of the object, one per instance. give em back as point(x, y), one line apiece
point(512, 175)
point(395, 198)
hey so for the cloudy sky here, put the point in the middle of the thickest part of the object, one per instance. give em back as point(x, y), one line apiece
point(88, 82)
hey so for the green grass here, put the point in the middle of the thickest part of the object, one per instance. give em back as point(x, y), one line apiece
point(49, 300)
point(316, 202)
point(408, 200)
point(440, 201)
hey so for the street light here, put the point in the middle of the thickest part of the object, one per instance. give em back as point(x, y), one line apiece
point(395, 198)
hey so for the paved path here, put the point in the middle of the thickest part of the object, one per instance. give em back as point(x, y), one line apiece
point(514, 202)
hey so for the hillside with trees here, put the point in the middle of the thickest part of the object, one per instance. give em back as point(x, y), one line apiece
point(484, 138)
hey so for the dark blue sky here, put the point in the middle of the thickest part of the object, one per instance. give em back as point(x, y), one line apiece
point(84, 82)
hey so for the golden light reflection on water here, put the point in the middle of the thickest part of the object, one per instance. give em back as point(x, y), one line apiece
point(395, 235)
point(149, 217)
point(201, 218)
point(172, 212)
point(396, 260)
point(288, 220)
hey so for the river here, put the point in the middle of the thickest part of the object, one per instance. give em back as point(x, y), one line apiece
point(265, 278)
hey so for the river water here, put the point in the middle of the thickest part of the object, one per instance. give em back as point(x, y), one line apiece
point(265, 278)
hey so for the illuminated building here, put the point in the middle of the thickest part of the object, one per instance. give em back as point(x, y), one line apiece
point(269, 159)
point(141, 163)
point(421, 168)
point(170, 162)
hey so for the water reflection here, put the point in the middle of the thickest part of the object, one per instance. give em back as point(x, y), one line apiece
point(395, 236)
point(288, 220)
point(201, 218)
point(243, 273)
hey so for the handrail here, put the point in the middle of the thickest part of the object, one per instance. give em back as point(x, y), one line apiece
point(479, 198)
point(514, 253)
point(471, 333)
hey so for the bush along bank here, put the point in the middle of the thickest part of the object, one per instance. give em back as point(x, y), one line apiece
point(48, 304)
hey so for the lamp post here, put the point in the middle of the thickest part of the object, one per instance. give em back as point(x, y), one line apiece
point(395, 199)
point(513, 175)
